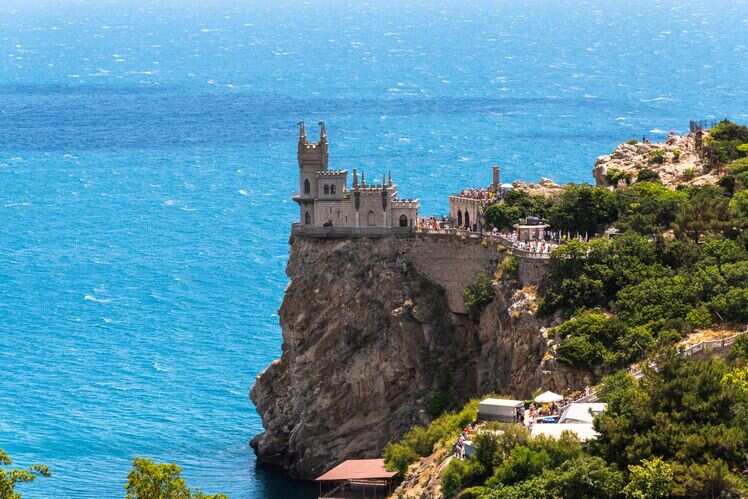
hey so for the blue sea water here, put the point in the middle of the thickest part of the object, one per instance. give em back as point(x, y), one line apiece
point(147, 159)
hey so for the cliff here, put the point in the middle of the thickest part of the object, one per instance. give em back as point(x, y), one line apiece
point(676, 161)
point(374, 334)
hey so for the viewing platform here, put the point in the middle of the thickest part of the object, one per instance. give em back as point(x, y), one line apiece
point(540, 250)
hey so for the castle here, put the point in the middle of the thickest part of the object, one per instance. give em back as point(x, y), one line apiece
point(326, 201)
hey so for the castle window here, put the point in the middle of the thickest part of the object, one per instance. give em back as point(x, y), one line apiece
point(370, 219)
point(307, 218)
point(467, 220)
point(327, 189)
point(307, 186)
point(459, 218)
point(403, 221)
point(332, 189)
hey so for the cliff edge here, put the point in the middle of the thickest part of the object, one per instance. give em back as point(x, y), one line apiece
point(375, 339)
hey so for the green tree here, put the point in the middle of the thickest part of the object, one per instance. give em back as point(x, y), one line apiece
point(502, 216)
point(683, 412)
point(10, 477)
point(150, 480)
point(647, 207)
point(586, 478)
point(583, 209)
point(652, 479)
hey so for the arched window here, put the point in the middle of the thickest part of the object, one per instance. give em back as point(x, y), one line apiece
point(332, 189)
point(370, 220)
point(327, 189)
point(403, 221)
point(467, 220)
point(459, 218)
point(307, 186)
point(307, 218)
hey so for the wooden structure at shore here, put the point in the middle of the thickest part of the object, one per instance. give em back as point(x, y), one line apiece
point(357, 478)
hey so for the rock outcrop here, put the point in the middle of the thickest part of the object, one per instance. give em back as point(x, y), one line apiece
point(676, 161)
point(371, 340)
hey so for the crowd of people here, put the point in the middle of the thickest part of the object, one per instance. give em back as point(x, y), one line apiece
point(536, 246)
point(482, 194)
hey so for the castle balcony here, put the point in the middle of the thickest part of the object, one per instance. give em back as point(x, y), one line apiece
point(303, 198)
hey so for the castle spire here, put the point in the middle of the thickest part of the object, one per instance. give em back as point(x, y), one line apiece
point(389, 178)
point(355, 179)
point(384, 181)
point(322, 132)
point(363, 179)
point(302, 132)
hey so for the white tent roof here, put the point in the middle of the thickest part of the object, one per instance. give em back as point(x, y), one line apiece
point(584, 431)
point(582, 413)
point(548, 397)
point(501, 402)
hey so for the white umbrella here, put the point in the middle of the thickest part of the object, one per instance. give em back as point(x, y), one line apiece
point(548, 398)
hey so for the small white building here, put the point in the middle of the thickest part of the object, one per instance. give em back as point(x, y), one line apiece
point(583, 431)
point(582, 412)
point(509, 411)
point(531, 229)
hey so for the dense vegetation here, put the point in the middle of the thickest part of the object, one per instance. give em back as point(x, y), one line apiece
point(680, 431)
point(680, 264)
point(420, 441)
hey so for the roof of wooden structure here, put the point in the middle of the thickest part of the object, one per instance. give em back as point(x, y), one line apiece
point(357, 469)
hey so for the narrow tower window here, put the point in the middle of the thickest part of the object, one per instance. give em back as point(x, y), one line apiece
point(307, 186)
point(327, 189)
point(332, 189)
point(307, 218)
point(403, 221)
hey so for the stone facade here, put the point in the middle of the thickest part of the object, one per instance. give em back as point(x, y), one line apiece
point(466, 208)
point(325, 200)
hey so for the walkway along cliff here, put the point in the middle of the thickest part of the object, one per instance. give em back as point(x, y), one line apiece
point(375, 335)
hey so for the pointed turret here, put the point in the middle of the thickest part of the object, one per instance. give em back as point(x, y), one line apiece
point(322, 133)
point(389, 178)
point(302, 132)
point(355, 179)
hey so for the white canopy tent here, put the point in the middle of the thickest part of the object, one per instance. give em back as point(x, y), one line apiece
point(548, 398)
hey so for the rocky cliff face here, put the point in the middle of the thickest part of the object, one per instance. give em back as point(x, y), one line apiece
point(680, 163)
point(370, 339)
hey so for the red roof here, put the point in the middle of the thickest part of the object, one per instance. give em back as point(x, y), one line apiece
point(357, 469)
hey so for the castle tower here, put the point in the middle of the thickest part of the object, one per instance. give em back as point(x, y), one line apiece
point(312, 159)
point(496, 179)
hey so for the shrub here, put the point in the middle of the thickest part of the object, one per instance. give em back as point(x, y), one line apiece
point(699, 317)
point(580, 351)
point(419, 441)
point(478, 295)
point(652, 479)
point(689, 173)
point(656, 156)
point(613, 176)
point(458, 474)
point(509, 268)
point(647, 175)
point(632, 142)
point(676, 155)
point(739, 350)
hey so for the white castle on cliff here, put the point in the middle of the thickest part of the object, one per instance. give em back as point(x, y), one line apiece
point(325, 200)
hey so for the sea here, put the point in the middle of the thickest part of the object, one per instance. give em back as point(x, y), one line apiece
point(147, 164)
